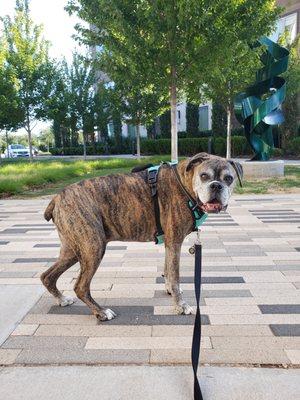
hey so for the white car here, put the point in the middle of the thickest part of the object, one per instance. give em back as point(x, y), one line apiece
point(16, 150)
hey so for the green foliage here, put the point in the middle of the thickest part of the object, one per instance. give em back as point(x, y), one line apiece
point(293, 146)
point(172, 49)
point(11, 112)
point(290, 107)
point(240, 146)
point(27, 56)
point(192, 119)
point(219, 119)
point(187, 146)
point(114, 145)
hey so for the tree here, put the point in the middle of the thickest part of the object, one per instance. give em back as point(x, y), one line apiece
point(137, 101)
point(229, 77)
point(82, 76)
point(291, 105)
point(28, 57)
point(57, 105)
point(45, 139)
point(173, 41)
point(11, 112)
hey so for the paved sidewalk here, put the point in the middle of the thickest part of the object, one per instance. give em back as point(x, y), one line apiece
point(250, 304)
point(147, 383)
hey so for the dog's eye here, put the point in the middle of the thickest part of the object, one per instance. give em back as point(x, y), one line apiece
point(228, 179)
point(204, 176)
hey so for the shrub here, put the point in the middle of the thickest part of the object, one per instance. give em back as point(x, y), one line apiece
point(186, 146)
point(293, 147)
point(277, 152)
point(219, 146)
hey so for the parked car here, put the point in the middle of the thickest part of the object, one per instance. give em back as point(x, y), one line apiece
point(16, 150)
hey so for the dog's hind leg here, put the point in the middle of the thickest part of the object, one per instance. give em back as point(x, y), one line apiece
point(66, 259)
point(90, 258)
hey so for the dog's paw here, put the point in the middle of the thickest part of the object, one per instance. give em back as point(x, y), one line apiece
point(183, 308)
point(106, 315)
point(64, 301)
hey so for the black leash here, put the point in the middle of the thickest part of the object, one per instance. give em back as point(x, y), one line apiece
point(197, 324)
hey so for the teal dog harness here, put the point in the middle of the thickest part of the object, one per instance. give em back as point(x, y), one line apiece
point(198, 215)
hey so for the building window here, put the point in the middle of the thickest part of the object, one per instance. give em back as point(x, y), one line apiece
point(288, 24)
point(203, 118)
point(178, 116)
point(110, 128)
point(131, 130)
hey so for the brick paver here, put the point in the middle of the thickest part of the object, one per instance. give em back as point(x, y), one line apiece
point(250, 300)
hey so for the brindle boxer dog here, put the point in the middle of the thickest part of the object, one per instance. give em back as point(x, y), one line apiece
point(93, 212)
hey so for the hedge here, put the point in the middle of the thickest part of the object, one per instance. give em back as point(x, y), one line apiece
point(293, 147)
point(126, 146)
point(190, 146)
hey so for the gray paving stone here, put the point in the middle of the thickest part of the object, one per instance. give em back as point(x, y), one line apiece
point(81, 356)
point(34, 260)
point(17, 274)
point(46, 245)
point(285, 329)
point(290, 221)
point(279, 308)
point(18, 231)
point(211, 293)
point(271, 210)
point(257, 268)
point(221, 224)
point(45, 225)
point(44, 342)
point(166, 301)
point(280, 267)
point(116, 247)
point(279, 217)
point(207, 279)
point(133, 315)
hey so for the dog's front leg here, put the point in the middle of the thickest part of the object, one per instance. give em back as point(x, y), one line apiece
point(172, 278)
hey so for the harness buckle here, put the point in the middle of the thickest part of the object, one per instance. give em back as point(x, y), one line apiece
point(159, 239)
point(152, 177)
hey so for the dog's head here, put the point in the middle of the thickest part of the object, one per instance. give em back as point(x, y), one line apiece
point(213, 180)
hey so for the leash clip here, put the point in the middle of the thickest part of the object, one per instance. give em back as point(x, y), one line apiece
point(197, 241)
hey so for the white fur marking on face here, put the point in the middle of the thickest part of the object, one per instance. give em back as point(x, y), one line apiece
point(203, 191)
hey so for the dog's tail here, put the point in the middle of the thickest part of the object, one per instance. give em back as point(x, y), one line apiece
point(48, 214)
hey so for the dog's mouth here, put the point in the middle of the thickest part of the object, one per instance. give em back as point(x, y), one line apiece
point(213, 206)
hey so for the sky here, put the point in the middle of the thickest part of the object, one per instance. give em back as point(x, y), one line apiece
point(58, 29)
point(58, 25)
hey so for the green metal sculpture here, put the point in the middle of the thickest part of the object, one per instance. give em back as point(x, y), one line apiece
point(259, 107)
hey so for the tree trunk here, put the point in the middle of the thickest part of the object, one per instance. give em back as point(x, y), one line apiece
point(7, 144)
point(84, 146)
point(28, 129)
point(138, 140)
point(173, 104)
point(228, 147)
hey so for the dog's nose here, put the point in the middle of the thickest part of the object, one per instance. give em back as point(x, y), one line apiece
point(216, 186)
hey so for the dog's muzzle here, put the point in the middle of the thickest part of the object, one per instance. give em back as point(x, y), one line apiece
point(215, 204)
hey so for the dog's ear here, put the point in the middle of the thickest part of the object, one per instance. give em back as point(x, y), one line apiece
point(238, 170)
point(197, 159)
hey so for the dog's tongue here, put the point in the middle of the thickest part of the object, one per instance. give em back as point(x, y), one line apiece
point(213, 206)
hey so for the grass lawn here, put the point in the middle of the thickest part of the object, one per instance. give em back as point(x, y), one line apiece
point(24, 179)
